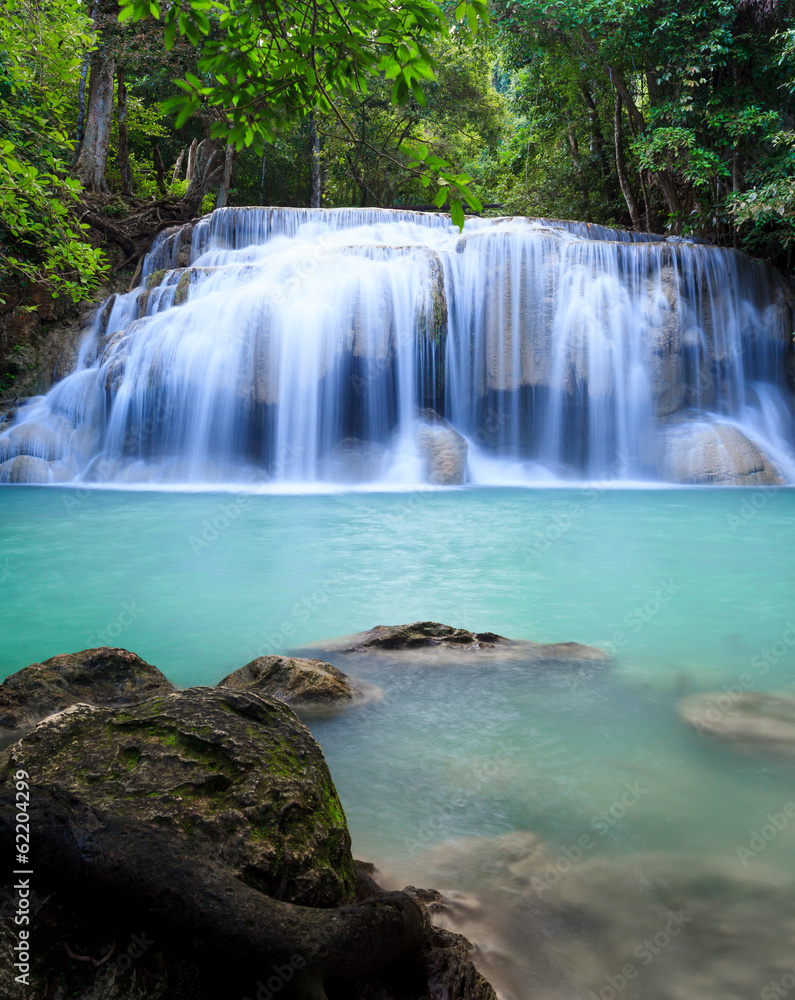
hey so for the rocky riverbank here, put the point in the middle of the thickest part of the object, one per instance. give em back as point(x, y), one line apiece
point(191, 844)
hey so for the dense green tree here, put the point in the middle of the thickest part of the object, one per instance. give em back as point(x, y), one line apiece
point(270, 64)
point(655, 113)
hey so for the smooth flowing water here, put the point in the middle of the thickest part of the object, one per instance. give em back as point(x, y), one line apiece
point(586, 836)
point(301, 346)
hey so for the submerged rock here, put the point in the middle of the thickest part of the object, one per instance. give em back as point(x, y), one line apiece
point(443, 450)
point(299, 682)
point(103, 676)
point(703, 452)
point(752, 721)
point(563, 925)
point(25, 469)
point(354, 461)
point(434, 642)
point(236, 774)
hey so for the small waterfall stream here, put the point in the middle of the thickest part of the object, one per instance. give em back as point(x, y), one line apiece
point(309, 346)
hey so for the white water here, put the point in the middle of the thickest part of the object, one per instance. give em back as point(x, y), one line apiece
point(558, 350)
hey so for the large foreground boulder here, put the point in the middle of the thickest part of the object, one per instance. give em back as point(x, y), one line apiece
point(433, 642)
point(236, 774)
point(298, 682)
point(751, 721)
point(103, 676)
point(172, 841)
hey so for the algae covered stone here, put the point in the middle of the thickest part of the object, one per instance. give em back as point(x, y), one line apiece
point(235, 773)
point(101, 676)
point(293, 680)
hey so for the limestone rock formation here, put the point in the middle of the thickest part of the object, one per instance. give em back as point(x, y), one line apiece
point(354, 461)
point(705, 452)
point(102, 676)
point(25, 469)
point(443, 450)
point(297, 682)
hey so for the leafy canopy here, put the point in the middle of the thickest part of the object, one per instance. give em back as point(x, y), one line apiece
point(263, 65)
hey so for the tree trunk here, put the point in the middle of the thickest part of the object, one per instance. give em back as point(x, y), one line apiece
point(226, 179)
point(160, 170)
point(575, 158)
point(191, 167)
point(207, 173)
point(599, 142)
point(177, 167)
point(124, 150)
point(93, 159)
point(621, 169)
point(315, 179)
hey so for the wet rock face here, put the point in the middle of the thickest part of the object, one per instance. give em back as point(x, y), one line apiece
point(354, 461)
point(293, 680)
point(434, 642)
point(25, 469)
point(706, 453)
point(752, 722)
point(423, 634)
point(236, 774)
point(103, 676)
point(443, 450)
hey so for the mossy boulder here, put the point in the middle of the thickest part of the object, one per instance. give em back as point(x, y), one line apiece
point(293, 680)
point(235, 773)
point(102, 676)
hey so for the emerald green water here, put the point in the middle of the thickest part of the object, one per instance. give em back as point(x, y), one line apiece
point(690, 586)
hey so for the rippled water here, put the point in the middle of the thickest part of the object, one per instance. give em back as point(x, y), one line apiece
point(609, 814)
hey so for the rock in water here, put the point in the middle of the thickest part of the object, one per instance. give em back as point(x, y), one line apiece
point(752, 721)
point(25, 469)
point(442, 449)
point(103, 676)
point(237, 774)
point(433, 642)
point(354, 461)
point(294, 681)
point(706, 453)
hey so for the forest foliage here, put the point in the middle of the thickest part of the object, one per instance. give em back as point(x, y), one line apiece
point(658, 115)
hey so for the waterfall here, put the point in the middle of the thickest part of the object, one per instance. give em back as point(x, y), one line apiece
point(296, 347)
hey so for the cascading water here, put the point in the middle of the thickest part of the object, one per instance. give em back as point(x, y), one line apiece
point(301, 346)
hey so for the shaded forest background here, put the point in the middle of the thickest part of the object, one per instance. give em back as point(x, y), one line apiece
point(115, 121)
